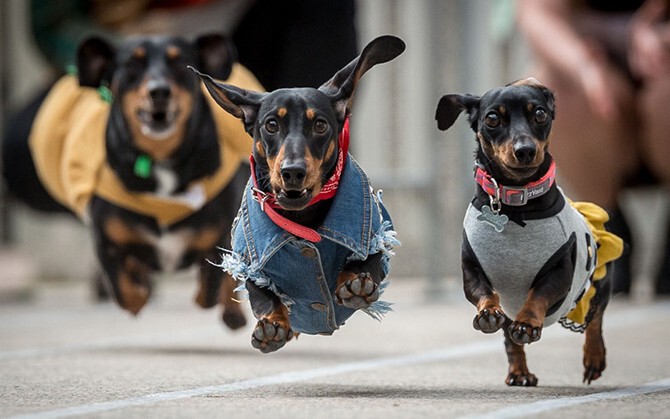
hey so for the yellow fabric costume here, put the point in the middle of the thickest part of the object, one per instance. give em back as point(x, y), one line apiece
point(67, 142)
point(610, 247)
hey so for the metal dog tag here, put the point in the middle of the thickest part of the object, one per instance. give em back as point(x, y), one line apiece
point(497, 221)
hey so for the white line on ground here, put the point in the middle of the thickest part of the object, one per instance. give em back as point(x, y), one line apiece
point(278, 379)
point(530, 409)
point(624, 318)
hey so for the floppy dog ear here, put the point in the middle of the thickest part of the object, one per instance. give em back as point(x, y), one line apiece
point(450, 106)
point(95, 60)
point(216, 55)
point(341, 87)
point(240, 103)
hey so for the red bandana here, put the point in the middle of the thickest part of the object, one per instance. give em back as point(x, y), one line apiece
point(268, 200)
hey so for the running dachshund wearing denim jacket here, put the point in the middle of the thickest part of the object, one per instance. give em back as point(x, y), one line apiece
point(312, 240)
point(134, 146)
point(530, 257)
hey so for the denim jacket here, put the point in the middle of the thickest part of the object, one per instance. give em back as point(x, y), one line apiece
point(304, 274)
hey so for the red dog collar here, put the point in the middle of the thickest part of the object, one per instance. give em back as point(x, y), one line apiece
point(268, 200)
point(515, 195)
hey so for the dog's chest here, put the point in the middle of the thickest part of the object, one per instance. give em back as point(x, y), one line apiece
point(170, 246)
point(166, 179)
point(513, 256)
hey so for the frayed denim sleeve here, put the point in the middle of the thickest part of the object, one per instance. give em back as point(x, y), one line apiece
point(240, 269)
point(384, 240)
point(379, 308)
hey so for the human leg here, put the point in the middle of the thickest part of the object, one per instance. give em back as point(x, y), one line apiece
point(655, 126)
point(596, 155)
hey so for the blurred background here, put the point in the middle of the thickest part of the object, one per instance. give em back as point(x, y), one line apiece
point(453, 46)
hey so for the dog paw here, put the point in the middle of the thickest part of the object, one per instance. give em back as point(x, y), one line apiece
point(522, 333)
point(525, 379)
point(234, 319)
point(594, 360)
point(592, 373)
point(357, 292)
point(489, 320)
point(593, 367)
point(270, 336)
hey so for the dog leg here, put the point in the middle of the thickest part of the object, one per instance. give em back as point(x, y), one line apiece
point(127, 277)
point(125, 257)
point(132, 288)
point(594, 350)
point(273, 329)
point(210, 284)
point(218, 287)
point(550, 287)
point(594, 345)
point(490, 316)
point(232, 310)
point(527, 327)
point(358, 283)
point(518, 374)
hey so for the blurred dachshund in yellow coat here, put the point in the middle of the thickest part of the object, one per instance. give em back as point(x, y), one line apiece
point(134, 147)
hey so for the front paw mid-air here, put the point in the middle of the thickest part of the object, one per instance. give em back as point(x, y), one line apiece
point(489, 320)
point(269, 336)
point(356, 291)
point(522, 333)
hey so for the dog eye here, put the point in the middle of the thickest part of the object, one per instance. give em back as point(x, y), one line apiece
point(492, 120)
point(272, 126)
point(540, 116)
point(320, 126)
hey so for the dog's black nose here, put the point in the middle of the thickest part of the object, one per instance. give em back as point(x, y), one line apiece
point(293, 174)
point(525, 153)
point(158, 91)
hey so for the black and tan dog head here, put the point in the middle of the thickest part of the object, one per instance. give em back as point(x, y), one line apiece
point(512, 123)
point(150, 82)
point(296, 130)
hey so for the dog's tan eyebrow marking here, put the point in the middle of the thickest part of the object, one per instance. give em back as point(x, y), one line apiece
point(502, 110)
point(173, 52)
point(281, 112)
point(310, 113)
point(139, 52)
point(530, 107)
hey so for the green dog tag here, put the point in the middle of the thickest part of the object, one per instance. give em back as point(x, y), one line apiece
point(105, 94)
point(142, 166)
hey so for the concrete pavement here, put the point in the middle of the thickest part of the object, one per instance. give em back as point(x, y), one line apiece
point(62, 356)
